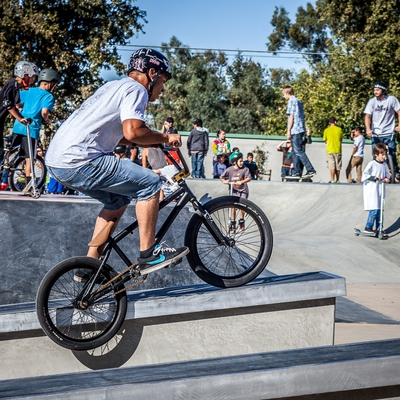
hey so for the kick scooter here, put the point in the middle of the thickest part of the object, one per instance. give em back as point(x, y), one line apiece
point(31, 187)
point(379, 232)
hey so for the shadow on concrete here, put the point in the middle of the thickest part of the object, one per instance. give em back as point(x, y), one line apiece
point(351, 312)
point(115, 352)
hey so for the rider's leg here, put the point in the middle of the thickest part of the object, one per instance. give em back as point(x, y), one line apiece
point(104, 217)
point(146, 214)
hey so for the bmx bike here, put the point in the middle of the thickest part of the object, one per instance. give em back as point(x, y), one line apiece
point(86, 315)
point(14, 166)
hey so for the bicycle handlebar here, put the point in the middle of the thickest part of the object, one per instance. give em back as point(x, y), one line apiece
point(166, 149)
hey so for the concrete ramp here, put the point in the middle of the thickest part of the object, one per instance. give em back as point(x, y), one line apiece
point(313, 227)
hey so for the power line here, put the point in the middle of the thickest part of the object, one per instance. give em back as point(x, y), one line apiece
point(297, 53)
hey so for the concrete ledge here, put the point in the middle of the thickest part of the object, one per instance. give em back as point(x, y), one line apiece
point(327, 370)
point(185, 323)
point(201, 298)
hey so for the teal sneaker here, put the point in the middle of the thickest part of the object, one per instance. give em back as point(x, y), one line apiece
point(162, 257)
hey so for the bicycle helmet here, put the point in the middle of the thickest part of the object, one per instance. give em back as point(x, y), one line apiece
point(381, 85)
point(234, 157)
point(49, 75)
point(120, 149)
point(23, 68)
point(144, 59)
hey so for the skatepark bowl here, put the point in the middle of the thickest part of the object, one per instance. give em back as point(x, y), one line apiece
point(323, 319)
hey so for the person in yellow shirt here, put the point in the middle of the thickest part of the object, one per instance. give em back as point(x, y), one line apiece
point(333, 136)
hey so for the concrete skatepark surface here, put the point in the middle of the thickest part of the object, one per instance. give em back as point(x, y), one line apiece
point(313, 230)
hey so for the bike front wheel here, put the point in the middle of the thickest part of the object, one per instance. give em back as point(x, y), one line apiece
point(246, 249)
point(17, 180)
point(72, 316)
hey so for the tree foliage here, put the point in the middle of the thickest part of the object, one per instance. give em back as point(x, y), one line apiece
point(76, 37)
point(357, 42)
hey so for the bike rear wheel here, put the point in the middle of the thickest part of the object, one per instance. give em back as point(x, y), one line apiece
point(391, 167)
point(17, 179)
point(61, 312)
point(247, 253)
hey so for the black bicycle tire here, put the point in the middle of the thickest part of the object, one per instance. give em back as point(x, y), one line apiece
point(391, 168)
point(40, 182)
point(42, 305)
point(266, 243)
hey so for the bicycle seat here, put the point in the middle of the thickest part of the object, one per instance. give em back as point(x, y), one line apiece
point(102, 236)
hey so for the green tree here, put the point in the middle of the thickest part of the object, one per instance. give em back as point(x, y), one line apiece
point(197, 90)
point(77, 38)
point(248, 96)
point(357, 42)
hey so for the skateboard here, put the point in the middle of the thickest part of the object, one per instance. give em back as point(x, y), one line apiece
point(306, 178)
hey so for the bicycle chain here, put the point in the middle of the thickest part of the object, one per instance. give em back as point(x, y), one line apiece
point(108, 283)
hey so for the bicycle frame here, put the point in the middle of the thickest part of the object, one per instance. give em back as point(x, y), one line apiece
point(183, 195)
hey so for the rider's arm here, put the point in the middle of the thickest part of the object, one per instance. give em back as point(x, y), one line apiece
point(397, 129)
point(368, 124)
point(17, 115)
point(290, 125)
point(136, 131)
point(45, 115)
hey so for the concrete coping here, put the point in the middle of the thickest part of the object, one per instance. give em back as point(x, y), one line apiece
point(201, 298)
point(298, 372)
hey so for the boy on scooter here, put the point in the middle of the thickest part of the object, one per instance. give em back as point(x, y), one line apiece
point(375, 172)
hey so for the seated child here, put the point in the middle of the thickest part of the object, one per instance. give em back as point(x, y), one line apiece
point(252, 166)
point(237, 175)
point(219, 166)
point(376, 171)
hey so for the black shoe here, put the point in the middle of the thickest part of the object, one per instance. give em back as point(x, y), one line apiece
point(161, 257)
point(369, 230)
point(311, 172)
point(241, 225)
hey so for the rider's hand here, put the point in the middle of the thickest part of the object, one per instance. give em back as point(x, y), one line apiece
point(397, 129)
point(174, 140)
point(24, 121)
point(369, 133)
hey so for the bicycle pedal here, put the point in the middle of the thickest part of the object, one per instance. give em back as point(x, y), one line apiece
point(174, 263)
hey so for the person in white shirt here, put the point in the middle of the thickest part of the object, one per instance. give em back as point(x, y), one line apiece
point(380, 120)
point(357, 155)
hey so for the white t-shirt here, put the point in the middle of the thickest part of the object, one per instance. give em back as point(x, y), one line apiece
point(96, 127)
point(359, 142)
point(383, 114)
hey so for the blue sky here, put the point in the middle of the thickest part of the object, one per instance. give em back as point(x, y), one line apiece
point(215, 24)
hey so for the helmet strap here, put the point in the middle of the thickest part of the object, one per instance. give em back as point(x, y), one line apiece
point(26, 80)
point(152, 82)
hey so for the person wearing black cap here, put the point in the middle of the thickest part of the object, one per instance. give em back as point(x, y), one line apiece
point(168, 126)
point(380, 120)
point(197, 144)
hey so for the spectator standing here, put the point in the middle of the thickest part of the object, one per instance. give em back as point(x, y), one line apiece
point(25, 74)
point(296, 129)
point(380, 120)
point(333, 136)
point(221, 145)
point(252, 166)
point(357, 155)
point(237, 175)
point(287, 164)
point(37, 105)
point(197, 144)
point(376, 171)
